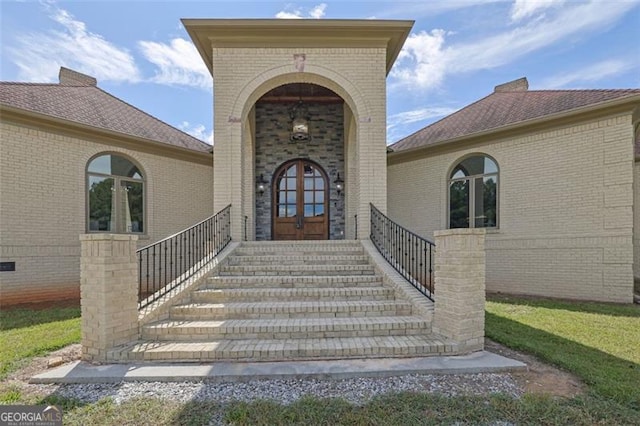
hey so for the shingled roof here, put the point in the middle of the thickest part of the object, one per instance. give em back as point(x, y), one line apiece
point(78, 99)
point(509, 104)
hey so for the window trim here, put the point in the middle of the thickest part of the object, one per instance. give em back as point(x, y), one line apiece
point(471, 179)
point(117, 180)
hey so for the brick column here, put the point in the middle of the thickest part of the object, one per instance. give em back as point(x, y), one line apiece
point(460, 287)
point(108, 293)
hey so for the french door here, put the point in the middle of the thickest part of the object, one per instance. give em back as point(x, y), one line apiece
point(300, 202)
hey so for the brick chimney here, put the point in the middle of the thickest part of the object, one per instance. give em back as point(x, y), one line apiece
point(519, 85)
point(69, 77)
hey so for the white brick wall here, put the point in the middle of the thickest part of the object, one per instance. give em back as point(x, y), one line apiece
point(42, 206)
point(565, 206)
point(636, 219)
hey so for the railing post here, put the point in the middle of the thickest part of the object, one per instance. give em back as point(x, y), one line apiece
point(355, 219)
point(108, 293)
point(460, 287)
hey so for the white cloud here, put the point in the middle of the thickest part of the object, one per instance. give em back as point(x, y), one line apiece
point(178, 63)
point(524, 8)
point(292, 12)
point(422, 61)
point(595, 72)
point(426, 60)
point(39, 55)
point(504, 48)
point(197, 131)
point(417, 115)
point(296, 14)
point(418, 9)
point(396, 123)
point(318, 11)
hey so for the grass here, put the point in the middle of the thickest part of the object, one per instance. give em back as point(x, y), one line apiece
point(404, 408)
point(408, 408)
point(597, 342)
point(26, 333)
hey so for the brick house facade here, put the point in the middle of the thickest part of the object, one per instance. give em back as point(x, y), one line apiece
point(566, 222)
point(565, 192)
point(47, 142)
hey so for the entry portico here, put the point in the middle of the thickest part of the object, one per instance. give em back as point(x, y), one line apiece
point(263, 70)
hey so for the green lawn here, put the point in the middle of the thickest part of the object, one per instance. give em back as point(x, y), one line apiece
point(394, 409)
point(25, 333)
point(597, 342)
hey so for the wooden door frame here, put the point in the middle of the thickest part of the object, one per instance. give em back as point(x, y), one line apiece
point(275, 189)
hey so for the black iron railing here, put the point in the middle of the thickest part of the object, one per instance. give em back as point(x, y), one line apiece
point(410, 254)
point(164, 265)
point(355, 219)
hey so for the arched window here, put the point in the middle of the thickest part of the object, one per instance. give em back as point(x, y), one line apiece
point(115, 199)
point(473, 193)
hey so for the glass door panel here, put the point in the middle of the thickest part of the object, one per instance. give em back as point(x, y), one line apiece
point(299, 202)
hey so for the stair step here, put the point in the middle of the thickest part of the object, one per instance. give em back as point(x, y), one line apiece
point(297, 270)
point(284, 349)
point(298, 259)
point(321, 244)
point(286, 300)
point(302, 281)
point(290, 294)
point(290, 248)
point(330, 309)
point(303, 328)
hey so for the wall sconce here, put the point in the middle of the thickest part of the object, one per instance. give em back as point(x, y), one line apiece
point(261, 184)
point(339, 184)
point(299, 114)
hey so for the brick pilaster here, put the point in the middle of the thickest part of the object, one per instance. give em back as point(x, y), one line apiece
point(460, 287)
point(108, 292)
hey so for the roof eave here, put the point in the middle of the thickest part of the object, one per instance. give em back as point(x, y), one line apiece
point(521, 125)
point(23, 116)
point(296, 32)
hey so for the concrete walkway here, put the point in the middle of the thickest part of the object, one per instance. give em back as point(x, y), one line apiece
point(82, 372)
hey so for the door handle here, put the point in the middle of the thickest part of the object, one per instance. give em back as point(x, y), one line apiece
point(298, 222)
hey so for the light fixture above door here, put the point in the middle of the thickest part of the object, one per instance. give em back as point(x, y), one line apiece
point(299, 114)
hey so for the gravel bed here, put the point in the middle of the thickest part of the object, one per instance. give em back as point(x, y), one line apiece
point(354, 390)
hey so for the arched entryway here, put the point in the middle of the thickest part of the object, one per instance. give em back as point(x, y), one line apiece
point(252, 132)
point(300, 201)
point(275, 151)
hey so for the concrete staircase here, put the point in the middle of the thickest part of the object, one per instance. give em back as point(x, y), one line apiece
point(289, 300)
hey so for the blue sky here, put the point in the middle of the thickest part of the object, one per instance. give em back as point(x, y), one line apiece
point(457, 52)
